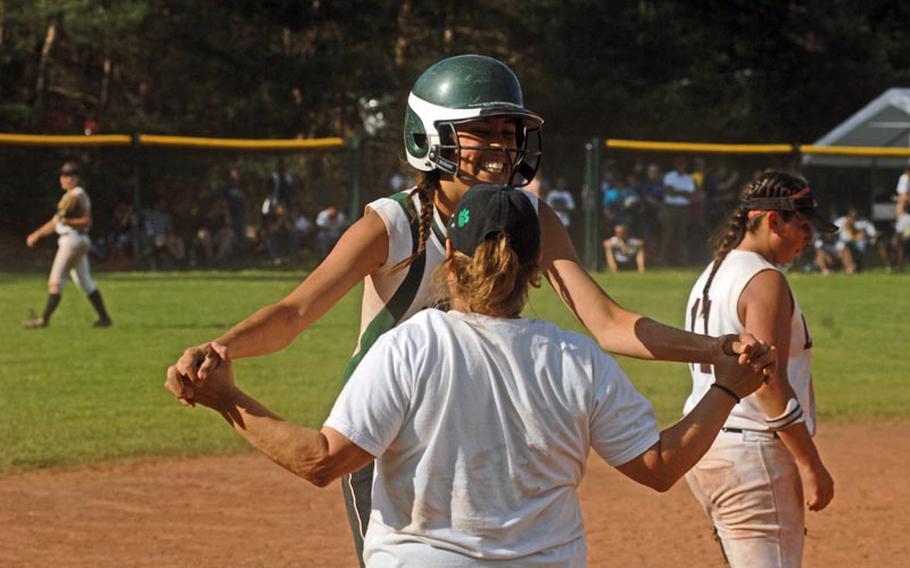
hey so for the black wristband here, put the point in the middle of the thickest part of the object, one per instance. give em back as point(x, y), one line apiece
point(727, 390)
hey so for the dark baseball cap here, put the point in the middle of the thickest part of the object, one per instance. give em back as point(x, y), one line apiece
point(488, 210)
point(69, 168)
point(802, 203)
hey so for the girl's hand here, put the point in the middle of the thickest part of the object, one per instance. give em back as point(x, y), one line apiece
point(197, 361)
point(217, 391)
point(32, 240)
point(817, 484)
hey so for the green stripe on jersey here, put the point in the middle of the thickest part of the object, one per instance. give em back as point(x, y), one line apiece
point(440, 234)
point(390, 315)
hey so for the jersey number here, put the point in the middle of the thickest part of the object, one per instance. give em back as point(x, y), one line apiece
point(693, 316)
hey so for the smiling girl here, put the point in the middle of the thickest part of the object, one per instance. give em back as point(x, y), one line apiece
point(465, 124)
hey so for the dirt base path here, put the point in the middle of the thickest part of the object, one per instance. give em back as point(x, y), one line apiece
point(244, 511)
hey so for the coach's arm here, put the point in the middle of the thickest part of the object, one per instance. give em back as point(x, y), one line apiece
point(682, 445)
point(317, 456)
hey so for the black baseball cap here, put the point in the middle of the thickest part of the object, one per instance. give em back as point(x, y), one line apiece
point(802, 203)
point(488, 210)
point(69, 168)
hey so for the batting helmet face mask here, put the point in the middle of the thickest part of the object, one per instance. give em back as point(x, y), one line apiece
point(461, 90)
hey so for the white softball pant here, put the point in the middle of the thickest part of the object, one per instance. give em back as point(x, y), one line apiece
point(749, 486)
point(72, 257)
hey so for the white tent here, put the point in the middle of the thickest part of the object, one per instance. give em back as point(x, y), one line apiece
point(884, 122)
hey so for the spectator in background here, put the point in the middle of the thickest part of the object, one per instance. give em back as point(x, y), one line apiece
point(903, 185)
point(721, 193)
point(303, 228)
point(623, 252)
point(562, 202)
point(854, 236)
point(678, 191)
point(166, 247)
point(198, 234)
point(697, 206)
point(120, 239)
point(652, 193)
point(621, 202)
point(235, 200)
point(331, 223)
point(280, 239)
point(902, 232)
point(208, 233)
point(827, 257)
point(280, 189)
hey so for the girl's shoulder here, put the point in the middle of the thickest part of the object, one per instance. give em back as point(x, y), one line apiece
point(402, 205)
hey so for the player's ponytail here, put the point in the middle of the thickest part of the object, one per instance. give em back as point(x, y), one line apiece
point(493, 281)
point(426, 188)
point(728, 236)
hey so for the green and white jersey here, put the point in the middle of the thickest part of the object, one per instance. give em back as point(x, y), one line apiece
point(392, 296)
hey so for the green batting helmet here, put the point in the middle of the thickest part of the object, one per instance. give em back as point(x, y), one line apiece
point(463, 89)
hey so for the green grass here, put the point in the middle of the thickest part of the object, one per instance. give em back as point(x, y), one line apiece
point(75, 395)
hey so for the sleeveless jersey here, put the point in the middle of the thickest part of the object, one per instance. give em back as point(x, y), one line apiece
point(736, 271)
point(392, 296)
point(74, 203)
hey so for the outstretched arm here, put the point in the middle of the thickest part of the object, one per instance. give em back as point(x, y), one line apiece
point(42, 231)
point(616, 329)
point(317, 456)
point(360, 251)
point(683, 444)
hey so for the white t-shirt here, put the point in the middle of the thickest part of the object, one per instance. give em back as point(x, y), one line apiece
point(861, 230)
point(903, 184)
point(736, 271)
point(679, 182)
point(482, 427)
point(902, 225)
point(624, 251)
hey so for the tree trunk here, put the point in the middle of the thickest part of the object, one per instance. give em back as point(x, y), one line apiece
point(2, 18)
point(403, 40)
point(45, 62)
point(106, 81)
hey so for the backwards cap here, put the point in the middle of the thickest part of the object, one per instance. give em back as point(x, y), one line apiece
point(488, 210)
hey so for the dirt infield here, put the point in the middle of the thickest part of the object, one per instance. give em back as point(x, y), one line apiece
point(244, 511)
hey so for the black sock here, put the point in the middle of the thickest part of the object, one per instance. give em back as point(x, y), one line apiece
point(53, 300)
point(98, 303)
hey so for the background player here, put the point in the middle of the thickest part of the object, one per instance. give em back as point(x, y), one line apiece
point(481, 421)
point(749, 481)
point(71, 222)
point(466, 123)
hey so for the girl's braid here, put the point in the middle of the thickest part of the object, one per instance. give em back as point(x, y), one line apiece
point(769, 184)
point(427, 185)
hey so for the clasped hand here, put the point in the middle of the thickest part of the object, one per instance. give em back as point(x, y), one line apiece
point(208, 379)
